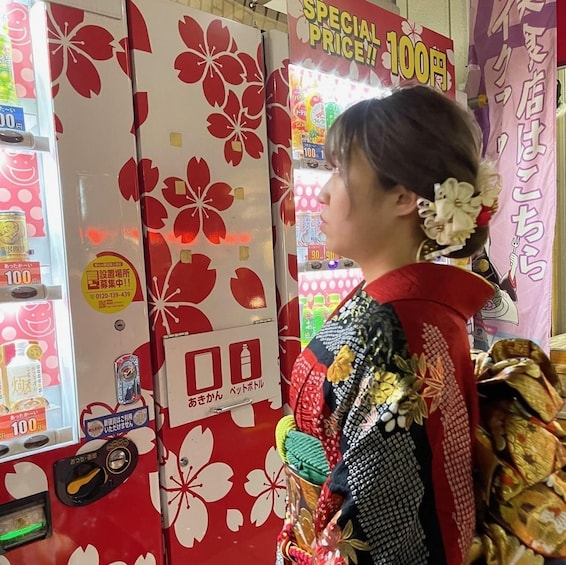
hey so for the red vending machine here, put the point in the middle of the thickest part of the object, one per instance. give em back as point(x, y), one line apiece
point(204, 192)
point(335, 54)
point(77, 441)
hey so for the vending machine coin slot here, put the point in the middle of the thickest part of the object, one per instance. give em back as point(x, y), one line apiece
point(87, 477)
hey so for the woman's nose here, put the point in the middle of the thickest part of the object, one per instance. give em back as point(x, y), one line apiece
point(322, 195)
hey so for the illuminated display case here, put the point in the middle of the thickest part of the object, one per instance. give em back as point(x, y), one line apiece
point(38, 401)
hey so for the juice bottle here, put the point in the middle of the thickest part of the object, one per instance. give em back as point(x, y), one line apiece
point(307, 325)
point(298, 110)
point(334, 300)
point(7, 84)
point(320, 312)
point(315, 116)
point(331, 111)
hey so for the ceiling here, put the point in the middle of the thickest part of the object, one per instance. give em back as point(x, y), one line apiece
point(277, 5)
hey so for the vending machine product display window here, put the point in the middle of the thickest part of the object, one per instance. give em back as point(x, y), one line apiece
point(38, 406)
point(325, 279)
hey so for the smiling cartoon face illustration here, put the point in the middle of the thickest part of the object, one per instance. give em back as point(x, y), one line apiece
point(36, 320)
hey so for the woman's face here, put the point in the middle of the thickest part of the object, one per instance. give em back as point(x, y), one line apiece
point(357, 214)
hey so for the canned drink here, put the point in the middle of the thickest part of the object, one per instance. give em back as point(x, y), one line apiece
point(13, 236)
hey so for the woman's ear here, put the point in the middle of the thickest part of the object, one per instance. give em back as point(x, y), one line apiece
point(405, 200)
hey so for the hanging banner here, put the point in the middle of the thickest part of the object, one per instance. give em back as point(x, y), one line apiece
point(561, 33)
point(513, 52)
point(359, 41)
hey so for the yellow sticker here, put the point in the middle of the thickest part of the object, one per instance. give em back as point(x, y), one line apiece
point(109, 284)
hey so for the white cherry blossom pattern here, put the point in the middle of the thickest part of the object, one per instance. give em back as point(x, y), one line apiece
point(27, 479)
point(295, 10)
point(412, 30)
point(89, 556)
point(234, 519)
point(268, 487)
point(187, 487)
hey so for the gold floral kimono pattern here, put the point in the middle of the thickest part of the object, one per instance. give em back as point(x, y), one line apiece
point(521, 454)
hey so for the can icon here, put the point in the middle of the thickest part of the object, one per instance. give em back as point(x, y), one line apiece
point(13, 236)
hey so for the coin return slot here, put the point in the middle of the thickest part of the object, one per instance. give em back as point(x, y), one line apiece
point(118, 460)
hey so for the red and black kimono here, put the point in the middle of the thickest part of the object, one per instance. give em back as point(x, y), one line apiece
point(387, 387)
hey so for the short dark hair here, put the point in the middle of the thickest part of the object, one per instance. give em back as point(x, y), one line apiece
point(415, 137)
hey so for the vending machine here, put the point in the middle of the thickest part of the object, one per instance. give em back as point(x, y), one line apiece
point(77, 439)
point(334, 56)
point(201, 131)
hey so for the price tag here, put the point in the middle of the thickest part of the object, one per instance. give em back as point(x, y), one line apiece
point(22, 423)
point(12, 117)
point(15, 273)
point(316, 253)
point(331, 256)
point(313, 151)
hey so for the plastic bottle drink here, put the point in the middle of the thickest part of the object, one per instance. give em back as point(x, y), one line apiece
point(320, 312)
point(315, 117)
point(334, 300)
point(23, 376)
point(7, 84)
point(307, 325)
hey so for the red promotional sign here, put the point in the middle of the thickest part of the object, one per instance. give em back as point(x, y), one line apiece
point(22, 423)
point(357, 40)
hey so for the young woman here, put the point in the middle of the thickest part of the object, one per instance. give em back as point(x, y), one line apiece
point(386, 389)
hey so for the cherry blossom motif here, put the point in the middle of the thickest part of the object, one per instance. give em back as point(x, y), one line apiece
point(295, 10)
point(289, 342)
point(154, 213)
point(58, 125)
point(199, 202)
point(237, 128)
point(253, 97)
point(234, 519)
point(4, 561)
point(395, 79)
point(412, 30)
point(74, 47)
point(277, 106)
point(27, 479)
point(139, 38)
point(247, 289)
point(189, 487)
point(212, 58)
point(141, 105)
point(267, 486)
point(171, 300)
point(282, 185)
point(89, 556)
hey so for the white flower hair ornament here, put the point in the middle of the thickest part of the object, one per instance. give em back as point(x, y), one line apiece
point(456, 213)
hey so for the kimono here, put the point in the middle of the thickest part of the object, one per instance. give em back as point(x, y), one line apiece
point(387, 387)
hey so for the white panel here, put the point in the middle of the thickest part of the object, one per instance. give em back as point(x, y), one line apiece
point(214, 372)
point(112, 8)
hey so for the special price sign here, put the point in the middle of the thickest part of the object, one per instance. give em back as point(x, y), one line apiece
point(360, 41)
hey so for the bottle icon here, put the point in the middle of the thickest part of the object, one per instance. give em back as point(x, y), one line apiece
point(246, 362)
point(307, 325)
point(334, 300)
point(331, 110)
point(320, 312)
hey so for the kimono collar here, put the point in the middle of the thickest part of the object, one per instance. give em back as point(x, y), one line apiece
point(461, 290)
